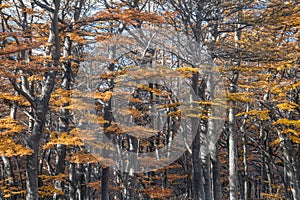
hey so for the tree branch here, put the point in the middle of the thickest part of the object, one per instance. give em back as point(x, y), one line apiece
point(24, 92)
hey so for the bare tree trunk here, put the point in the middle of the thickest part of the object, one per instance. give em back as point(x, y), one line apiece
point(290, 171)
point(213, 136)
point(244, 139)
point(88, 170)
point(208, 147)
point(63, 118)
point(233, 167)
point(199, 192)
point(64, 113)
point(8, 170)
point(72, 179)
point(232, 140)
point(41, 105)
point(105, 169)
point(133, 147)
point(217, 190)
point(32, 160)
point(81, 182)
point(291, 156)
point(104, 183)
point(207, 176)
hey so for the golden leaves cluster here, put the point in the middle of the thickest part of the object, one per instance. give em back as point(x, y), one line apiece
point(9, 128)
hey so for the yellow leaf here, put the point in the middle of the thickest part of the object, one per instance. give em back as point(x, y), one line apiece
point(263, 114)
point(287, 106)
point(295, 139)
point(287, 122)
point(291, 131)
point(276, 142)
point(294, 86)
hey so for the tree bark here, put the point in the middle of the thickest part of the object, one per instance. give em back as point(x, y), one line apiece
point(104, 183)
point(212, 137)
point(290, 166)
point(72, 179)
point(41, 105)
point(199, 192)
point(245, 163)
point(32, 160)
point(217, 189)
point(8, 170)
point(232, 141)
point(81, 182)
point(198, 185)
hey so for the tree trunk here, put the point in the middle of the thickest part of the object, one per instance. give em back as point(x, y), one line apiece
point(133, 147)
point(207, 176)
point(8, 170)
point(104, 183)
point(64, 117)
point(72, 179)
point(199, 192)
point(212, 137)
point(245, 163)
point(217, 190)
point(290, 171)
point(232, 141)
point(32, 160)
point(41, 105)
point(81, 182)
point(32, 177)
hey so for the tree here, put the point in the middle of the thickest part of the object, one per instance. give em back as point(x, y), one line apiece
point(53, 107)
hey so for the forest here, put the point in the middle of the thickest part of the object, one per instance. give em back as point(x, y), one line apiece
point(149, 99)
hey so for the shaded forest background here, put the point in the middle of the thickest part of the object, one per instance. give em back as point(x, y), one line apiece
point(255, 47)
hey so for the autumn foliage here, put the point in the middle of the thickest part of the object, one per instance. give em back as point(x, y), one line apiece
point(45, 118)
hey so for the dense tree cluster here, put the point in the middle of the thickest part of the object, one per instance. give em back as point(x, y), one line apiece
point(61, 59)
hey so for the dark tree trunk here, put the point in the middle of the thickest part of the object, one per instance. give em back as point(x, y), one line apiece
point(104, 183)
point(32, 160)
point(72, 179)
